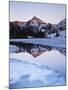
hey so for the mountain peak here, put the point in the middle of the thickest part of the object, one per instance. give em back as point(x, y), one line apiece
point(36, 19)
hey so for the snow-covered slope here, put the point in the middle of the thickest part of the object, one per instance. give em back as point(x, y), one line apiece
point(62, 24)
point(25, 74)
point(62, 35)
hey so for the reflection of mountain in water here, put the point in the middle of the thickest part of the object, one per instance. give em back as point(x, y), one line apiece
point(34, 49)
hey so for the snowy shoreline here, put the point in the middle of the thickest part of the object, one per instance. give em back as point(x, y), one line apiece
point(56, 42)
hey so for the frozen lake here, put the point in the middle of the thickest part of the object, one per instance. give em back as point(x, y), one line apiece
point(58, 42)
point(37, 62)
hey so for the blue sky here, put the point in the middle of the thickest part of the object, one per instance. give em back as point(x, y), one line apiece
point(49, 13)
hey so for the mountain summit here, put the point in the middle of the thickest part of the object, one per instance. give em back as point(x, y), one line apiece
point(35, 19)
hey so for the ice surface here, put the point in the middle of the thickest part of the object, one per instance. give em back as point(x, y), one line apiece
point(55, 42)
point(26, 74)
point(54, 59)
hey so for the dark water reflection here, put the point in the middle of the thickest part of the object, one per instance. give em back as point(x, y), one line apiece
point(35, 49)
